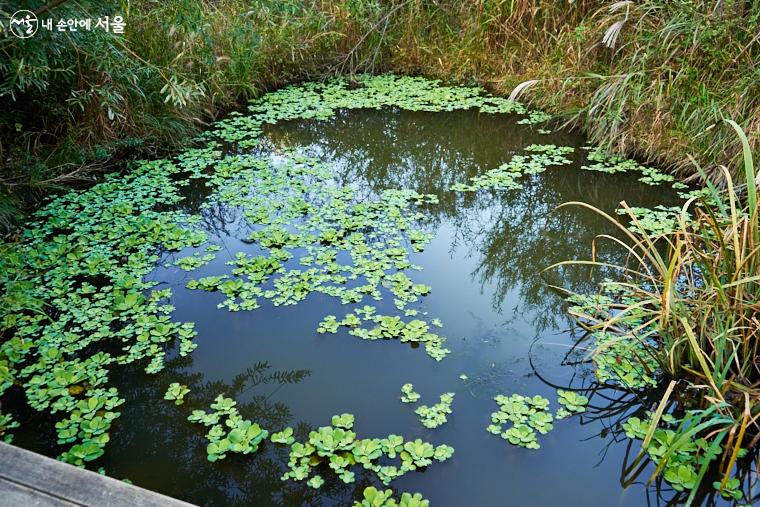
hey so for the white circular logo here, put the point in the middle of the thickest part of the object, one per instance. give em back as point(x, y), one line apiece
point(24, 24)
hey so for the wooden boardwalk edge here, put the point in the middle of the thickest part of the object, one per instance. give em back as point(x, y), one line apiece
point(30, 479)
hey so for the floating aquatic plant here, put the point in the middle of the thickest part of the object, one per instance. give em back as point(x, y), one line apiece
point(659, 220)
point(408, 394)
point(572, 401)
point(372, 497)
point(434, 416)
point(731, 490)
point(505, 177)
point(521, 435)
point(194, 261)
point(626, 363)
point(601, 162)
point(299, 211)
point(283, 437)
point(330, 324)
point(387, 327)
point(338, 447)
point(677, 451)
point(535, 117)
point(228, 431)
point(527, 415)
point(6, 424)
point(315, 482)
point(76, 281)
point(176, 392)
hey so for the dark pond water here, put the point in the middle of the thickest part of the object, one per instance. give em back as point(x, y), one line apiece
point(506, 327)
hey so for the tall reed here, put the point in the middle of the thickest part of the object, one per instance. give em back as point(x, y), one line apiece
point(692, 301)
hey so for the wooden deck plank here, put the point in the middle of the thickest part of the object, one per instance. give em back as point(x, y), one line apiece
point(27, 478)
point(16, 494)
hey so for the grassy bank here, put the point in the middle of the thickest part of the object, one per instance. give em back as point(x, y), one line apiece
point(649, 78)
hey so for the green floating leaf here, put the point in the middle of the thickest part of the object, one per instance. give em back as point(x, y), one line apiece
point(176, 392)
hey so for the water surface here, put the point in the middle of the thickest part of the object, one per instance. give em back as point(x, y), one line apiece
point(506, 326)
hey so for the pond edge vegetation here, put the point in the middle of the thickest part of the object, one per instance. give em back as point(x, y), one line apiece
point(685, 313)
point(651, 79)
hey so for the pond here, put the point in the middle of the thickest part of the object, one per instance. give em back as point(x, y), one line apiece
point(503, 317)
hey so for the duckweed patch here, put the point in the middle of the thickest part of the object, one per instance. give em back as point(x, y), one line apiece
point(408, 394)
point(228, 431)
point(506, 175)
point(337, 447)
point(433, 416)
point(372, 497)
point(675, 449)
point(527, 416)
point(612, 164)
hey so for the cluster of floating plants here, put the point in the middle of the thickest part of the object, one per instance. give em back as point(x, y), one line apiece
point(611, 164)
point(77, 304)
point(530, 415)
point(76, 280)
point(408, 394)
point(572, 403)
point(430, 417)
point(622, 362)
point(337, 447)
point(659, 220)
point(76, 283)
point(535, 117)
point(315, 237)
point(527, 415)
point(176, 393)
point(682, 458)
point(322, 100)
point(623, 359)
point(7, 424)
point(228, 431)
point(387, 327)
point(434, 416)
point(194, 261)
point(372, 497)
point(506, 175)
